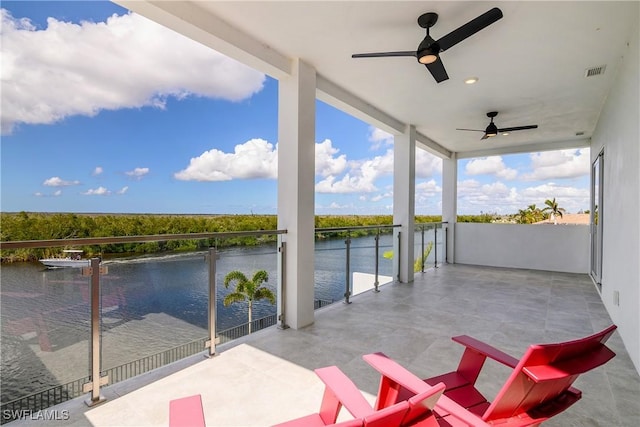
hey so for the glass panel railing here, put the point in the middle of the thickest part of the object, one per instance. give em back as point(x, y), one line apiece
point(429, 246)
point(153, 311)
point(148, 310)
point(258, 266)
point(152, 306)
point(351, 260)
point(45, 334)
point(370, 268)
point(330, 266)
point(441, 243)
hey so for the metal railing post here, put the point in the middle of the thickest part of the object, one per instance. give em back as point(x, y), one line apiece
point(282, 283)
point(422, 251)
point(399, 254)
point(96, 380)
point(213, 340)
point(377, 282)
point(347, 291)
point(446, 239)
point(435, 246)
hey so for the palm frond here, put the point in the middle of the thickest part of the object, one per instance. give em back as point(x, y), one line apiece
point(260, 276)
point(233, 298)
point(234, 275)
point(265, 293)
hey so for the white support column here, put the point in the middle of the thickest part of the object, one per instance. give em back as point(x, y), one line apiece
point(296, 192)
point(404, 192)
point(450, 201)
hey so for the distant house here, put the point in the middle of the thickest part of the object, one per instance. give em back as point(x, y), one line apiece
point(568, 219)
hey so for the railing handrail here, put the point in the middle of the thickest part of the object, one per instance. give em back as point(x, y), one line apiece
point(356, 227)
point(86, 241)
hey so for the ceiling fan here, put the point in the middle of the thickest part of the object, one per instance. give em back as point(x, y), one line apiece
point(492, 129)
point(428, 52)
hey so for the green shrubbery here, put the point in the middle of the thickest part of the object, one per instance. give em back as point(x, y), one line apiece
point(48, 226)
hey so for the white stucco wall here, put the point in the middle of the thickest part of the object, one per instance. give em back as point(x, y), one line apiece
point(618, 134)
point(537, 246)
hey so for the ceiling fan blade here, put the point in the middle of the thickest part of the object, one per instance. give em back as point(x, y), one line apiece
point(469, 29)
point(518, 128)
point(473, 130)
point(384, 54)
point(437, 70)
point(485, 136)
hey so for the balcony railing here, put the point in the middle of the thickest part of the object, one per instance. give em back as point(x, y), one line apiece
point(118, 306)
point(135, 314)
point(430, 245)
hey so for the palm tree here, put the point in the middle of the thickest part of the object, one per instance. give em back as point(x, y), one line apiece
point(248, 290)
point(554, 209)
point(530, 215)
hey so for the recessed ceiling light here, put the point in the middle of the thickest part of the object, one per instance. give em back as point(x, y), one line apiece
point(470, 80)
point(505, 133)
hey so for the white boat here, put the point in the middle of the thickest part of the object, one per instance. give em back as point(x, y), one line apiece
point(70, 258)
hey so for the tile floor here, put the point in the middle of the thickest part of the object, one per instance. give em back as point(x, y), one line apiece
point(268, 377)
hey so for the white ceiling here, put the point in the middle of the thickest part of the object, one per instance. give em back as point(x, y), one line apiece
point(530, 64)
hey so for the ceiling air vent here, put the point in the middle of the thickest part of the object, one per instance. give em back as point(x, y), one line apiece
point(594, 71)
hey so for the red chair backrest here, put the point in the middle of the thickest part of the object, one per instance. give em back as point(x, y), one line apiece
point(540, 383)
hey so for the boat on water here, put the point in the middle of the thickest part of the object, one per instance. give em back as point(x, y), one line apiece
point(70, 258)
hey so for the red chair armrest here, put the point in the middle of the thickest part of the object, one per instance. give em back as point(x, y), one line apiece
point(487, 350)
point(345, 391)
point(390, 369)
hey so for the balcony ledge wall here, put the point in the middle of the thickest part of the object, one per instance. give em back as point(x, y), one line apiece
point(562, 248)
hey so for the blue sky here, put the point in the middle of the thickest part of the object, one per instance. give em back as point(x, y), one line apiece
point(105, 111)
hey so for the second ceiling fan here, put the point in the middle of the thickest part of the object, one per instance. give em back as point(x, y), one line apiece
point(493, 130)
point(428, 52)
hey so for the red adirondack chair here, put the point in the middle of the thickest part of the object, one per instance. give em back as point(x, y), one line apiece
point(341, 391)
point(539, 387)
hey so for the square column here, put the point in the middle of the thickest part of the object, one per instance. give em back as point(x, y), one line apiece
point(404, 195)
point(450, 201)
point(296, 189)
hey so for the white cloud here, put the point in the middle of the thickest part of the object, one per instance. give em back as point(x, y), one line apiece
point(427, 165)
point(551, 190)
point(56, 181)
point(428, 189)
point(126, 62)
point(137, 173)
point(348, 184)
point(326, 162)
point(258, 159)
point(497, 197)
point(97, 171)
point(100, 191)
point(361, 176)
point(56, 193)
point(123, 190)
point(378, 138)
point(493, 165)
point(559, 164)
point(387, 195)
point(254, 159)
